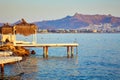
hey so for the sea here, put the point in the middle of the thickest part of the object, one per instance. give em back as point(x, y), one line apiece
point(98, 58)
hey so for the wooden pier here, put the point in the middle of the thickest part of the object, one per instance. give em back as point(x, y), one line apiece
point(5, 53)
point(69, 46)
point(7, 60)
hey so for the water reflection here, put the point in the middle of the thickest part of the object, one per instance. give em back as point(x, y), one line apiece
point(30, 68)
point(26, 72)
point(36, 67)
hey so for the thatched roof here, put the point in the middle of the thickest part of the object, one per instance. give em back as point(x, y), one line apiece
point(23, 28)
point(6, 29)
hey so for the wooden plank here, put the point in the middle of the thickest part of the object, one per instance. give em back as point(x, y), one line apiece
point(5, 53)
point(6, 60)
point(49, 45)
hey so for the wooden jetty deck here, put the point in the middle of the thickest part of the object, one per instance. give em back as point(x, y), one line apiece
point(70, 47)
point(6, 60)
point(10, 59)
point(5, 53)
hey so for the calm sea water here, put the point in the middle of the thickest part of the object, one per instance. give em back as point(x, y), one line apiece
point(98, 58)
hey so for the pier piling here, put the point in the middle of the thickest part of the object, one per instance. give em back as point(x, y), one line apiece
point(2, 71)
point(68, 51)
point(45, 51)
point(72, 52)
point(2, 68)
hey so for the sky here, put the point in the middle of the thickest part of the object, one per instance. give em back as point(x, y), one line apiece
point(40, 10)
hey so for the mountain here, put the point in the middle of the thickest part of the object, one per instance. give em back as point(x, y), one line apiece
point(1, 24)
point(17, 22)
point(77, 21)
point(68, 22)
point(98, 19)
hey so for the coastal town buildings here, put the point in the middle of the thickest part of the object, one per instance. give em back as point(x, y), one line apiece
point(92, 28)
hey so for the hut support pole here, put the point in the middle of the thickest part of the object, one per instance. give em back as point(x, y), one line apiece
point(14, 41)
point(35, 37)
point(2, 39)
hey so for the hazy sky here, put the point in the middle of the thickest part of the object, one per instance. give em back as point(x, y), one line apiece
point(39, 10)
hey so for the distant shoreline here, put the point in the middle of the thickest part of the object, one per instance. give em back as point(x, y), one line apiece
point(73, 31)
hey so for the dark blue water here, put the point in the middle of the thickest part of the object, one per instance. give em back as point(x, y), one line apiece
point(98, 58)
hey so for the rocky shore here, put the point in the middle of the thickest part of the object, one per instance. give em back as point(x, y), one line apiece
point(17, 50)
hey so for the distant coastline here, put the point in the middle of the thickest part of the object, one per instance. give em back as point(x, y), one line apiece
point(75, 31)
point(78, 23)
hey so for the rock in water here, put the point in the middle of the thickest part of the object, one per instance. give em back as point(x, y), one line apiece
point(33, 52)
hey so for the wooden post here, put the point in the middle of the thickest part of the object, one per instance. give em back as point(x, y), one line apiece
point(68, 51)
point(35, 37)
point(72, 51)
point(14, 41)
point(2, 68)
point(2, 71)
point(2, 38)
point(45, 51)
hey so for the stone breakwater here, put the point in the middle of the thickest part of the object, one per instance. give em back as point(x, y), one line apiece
point(17, 50)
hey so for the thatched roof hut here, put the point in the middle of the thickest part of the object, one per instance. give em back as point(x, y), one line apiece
point(6, 29)
point(24, 28)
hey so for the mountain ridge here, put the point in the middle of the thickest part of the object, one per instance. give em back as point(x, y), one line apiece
point(78, 20)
